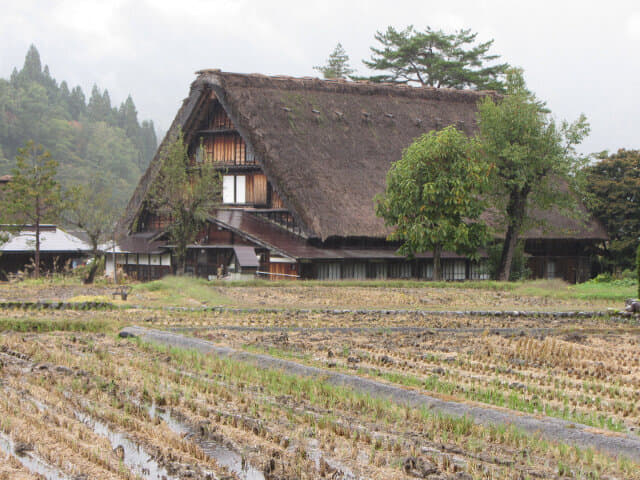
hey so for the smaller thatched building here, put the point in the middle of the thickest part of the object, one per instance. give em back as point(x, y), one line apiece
point(302, 160)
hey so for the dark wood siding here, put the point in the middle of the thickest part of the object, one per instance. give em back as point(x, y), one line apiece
point(218, 118)
point(276, 201)
point(218, 141)
point(150, 222)
point(283, 270)
point(572, 269)
point(568, 260)
point(225, 147)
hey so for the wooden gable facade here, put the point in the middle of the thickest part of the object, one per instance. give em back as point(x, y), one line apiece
point(214, 139)
point(217, 141)
point(302, 159)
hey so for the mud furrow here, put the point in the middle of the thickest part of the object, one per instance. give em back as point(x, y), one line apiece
point(554, 429)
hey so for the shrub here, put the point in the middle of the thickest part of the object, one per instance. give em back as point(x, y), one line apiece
point(83, 270)
point(603, 278)
point(628, 274)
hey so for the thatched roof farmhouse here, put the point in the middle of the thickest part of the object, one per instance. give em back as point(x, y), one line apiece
point(302, 159)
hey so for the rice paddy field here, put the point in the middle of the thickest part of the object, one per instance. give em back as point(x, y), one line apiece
point(78, 400)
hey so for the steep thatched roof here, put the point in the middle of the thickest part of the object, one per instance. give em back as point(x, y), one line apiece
point(326, 146)
point(329, 144)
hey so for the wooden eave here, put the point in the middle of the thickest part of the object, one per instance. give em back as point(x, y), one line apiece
point(232, 167)
point(249, 237)
point(214, 131)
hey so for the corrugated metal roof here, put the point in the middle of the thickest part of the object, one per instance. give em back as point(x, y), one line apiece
point(51, 240)
point(246, 256)
point(144, 243)
point(276, 239)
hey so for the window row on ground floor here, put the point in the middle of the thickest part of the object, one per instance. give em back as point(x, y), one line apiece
point(452, 269)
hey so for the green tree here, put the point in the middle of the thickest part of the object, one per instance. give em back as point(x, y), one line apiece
point(337, 65)
point(613, 188)
point(638, 269)
point(149, 142)
point(433, 196)
point(97, 108)
point(33, 196)
point(99, 140)
point(436, 59)
point(3, 162)
point(519, 267)
point(77, 103)
point(92, 210)
point(32, 68)
point(110, 151)
point(183, 195)
point(535, 161)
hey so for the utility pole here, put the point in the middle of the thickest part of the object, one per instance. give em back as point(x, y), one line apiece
point(115, 269)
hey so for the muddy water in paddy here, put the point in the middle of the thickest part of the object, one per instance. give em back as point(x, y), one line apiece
point(139, 461)
point(223, 455)
point(30, 461)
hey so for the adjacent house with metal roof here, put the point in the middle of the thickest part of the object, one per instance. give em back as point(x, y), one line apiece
point(58, 250)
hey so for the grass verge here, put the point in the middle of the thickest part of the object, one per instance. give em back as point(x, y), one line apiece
point(51, 325)
point(176, 289)
point(179, 290)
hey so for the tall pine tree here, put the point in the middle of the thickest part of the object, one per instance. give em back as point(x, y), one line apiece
point(337, 65)
point(436, 59)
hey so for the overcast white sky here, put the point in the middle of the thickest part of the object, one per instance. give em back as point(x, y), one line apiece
point(579, 56)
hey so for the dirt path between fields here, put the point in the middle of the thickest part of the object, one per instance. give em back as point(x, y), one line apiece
point(552, 428)
point(504, 331)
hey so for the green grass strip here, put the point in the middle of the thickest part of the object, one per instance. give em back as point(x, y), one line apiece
point(66, 325)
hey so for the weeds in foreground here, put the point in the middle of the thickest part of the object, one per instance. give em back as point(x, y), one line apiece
point(492, 395)
point(434, 425)
point(273, 410)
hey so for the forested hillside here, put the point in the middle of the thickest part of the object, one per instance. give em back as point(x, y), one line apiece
point(90, 139)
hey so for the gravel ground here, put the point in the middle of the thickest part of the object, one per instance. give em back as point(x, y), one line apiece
point(553, 429)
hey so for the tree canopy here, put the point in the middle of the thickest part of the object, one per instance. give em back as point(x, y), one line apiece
point(337, 65)
point(92, 210)
point(535, 161)
point(88, 138)
point(613, 187)
point(435, 58)
point(433, 196)
point(184, 196)
point(33, 196)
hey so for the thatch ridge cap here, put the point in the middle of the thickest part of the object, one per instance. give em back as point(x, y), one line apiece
point(365, 87)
